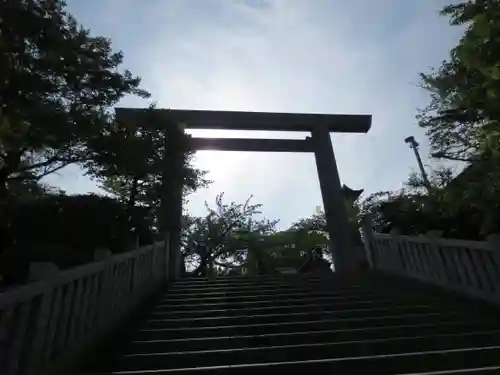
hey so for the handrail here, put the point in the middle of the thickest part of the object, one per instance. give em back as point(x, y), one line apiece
point(483, 245)
point(467, 267)
point(45, 323)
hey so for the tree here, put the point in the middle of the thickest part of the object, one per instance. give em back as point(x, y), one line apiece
point(57, 85)
point(290, 248)
point(462, 120)
point(25, 191)
point(317, 221)
point(463, 117)
point(223, 236)
point(439, 178)
point(449, 206)
point(472, 198)
point(233, 236)
point(133, 161)
point(396, 210)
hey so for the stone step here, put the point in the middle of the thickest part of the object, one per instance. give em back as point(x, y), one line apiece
point(483, 370)
point(253, 281)
point(272, 289)
point(466, 371)
point(431, 352)
point(285, 301)
point(227, 320)
point(280, 327)
point(309, 336)
point(241, 325)
point(265, 297)
point(259, 283)
point(262, 278)
point(335, 305)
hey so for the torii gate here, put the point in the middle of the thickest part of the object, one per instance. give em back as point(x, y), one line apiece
point(319, 125)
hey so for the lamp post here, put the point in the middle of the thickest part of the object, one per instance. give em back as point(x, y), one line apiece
point(414, 145)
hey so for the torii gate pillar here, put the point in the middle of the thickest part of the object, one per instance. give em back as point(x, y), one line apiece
point(333, 202)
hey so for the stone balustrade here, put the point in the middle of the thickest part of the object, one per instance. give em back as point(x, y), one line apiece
point(469, 267)
point(48, 323)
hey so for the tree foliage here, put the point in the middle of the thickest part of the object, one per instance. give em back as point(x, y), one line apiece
point(224, 234)
point(449, 206)
point(57, 85)
point(290, 248)
point(316, 223)
point(133, 161)
point(462, 120)
point(463, 117)
point(438, 178)
point(233, 236)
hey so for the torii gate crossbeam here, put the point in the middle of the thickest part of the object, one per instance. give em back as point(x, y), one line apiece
point(252, 144)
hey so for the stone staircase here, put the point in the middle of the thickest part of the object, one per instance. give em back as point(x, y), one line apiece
point(322, 324)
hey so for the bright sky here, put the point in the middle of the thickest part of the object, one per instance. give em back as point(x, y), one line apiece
point(323, 56)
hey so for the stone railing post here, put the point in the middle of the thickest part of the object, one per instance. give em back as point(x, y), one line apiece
point(368, 239)
point(105, 285)
point(174, 252)
point(438, 263)
point(106, 288)
point(494, 240)
point(41, 330)
point(434, 233)
point(42, 270)
point(395, 261)
point(102, 254)
point(167, 257)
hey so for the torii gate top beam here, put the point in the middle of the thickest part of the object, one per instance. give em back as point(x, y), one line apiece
point(234, 120)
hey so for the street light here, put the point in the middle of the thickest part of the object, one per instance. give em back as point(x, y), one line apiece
point(414, 145)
